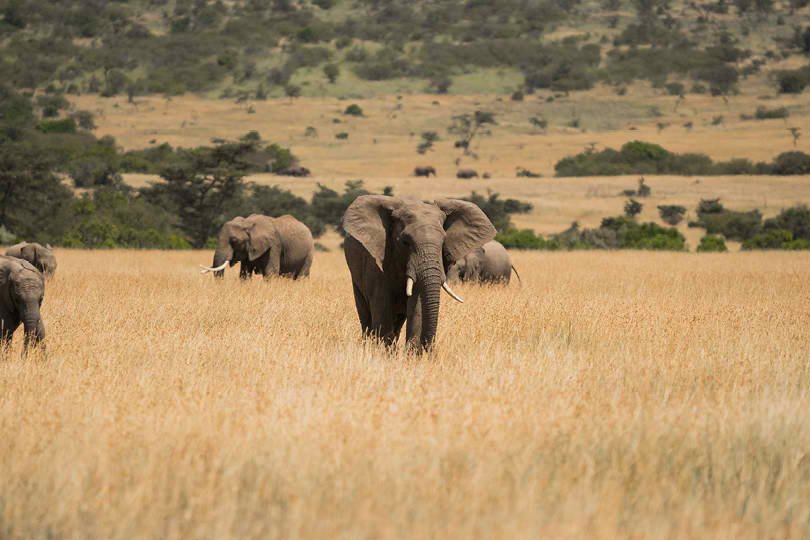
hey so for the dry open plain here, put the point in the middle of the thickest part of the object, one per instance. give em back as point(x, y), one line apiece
point(612, 395)
point(627, 394)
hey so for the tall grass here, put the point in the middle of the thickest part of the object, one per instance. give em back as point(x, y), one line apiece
point(612, 395)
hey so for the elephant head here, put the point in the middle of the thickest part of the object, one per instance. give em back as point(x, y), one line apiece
point(412, 243)
point(40, 256)
point(23, 288)
point(245, 240)
point(468, 268)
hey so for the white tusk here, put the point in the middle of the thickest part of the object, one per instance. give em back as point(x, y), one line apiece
point(449, 291)
point(409, 286)
point(217, 269)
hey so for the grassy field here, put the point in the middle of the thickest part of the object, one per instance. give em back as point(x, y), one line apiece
point(611, 395)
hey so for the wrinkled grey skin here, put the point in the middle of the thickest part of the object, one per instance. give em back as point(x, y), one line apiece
point(263, 245)
point(488, 264)
point(467, 173)
point(40, 256)
point(390, 240)
point(22, 288)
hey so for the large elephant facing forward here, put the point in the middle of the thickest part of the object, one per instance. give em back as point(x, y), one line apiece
point(397, 251)
point(22, 288)
point(263, 245)
point(40, 256)
point(488, 264)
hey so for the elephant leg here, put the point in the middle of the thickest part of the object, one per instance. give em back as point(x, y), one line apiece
point(363, 310)
point(304, 270)
point(244, 270)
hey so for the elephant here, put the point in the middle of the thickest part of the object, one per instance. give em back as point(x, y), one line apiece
point(397, 251)
point(40, 256)
point(22, 288)
point(466, 173)
point(264, 245)
point(488, 264)
point(424, 171)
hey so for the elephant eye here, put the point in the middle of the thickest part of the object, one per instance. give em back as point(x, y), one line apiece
point(404, 240)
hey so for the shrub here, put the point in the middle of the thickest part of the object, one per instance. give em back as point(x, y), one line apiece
point(774, 239)
point(342, 135)
point(675, 88)
point(793, 81)
point(788, 163)
point(733, 225)
point(795, 219)
point(712, 243)
point(353, 110)
point(632, 208)
point(764, 113)
point(66, 125)
point(526, 239)
point(671, 214)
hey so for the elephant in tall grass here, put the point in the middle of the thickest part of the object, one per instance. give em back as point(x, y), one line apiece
point(40, 256)
point(397, 251)
point(488, 264)
point(264, 245)
point(22, 288)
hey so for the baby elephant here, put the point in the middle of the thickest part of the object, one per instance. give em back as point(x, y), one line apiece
point(488, 264)
point(264, 245)
point(40, 256)
point(22, 288)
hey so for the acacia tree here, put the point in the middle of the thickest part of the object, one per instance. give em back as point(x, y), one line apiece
point(468, 126)
point(203, 187)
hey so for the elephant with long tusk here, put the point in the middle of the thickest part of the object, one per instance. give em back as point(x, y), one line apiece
point(263, 245)
point(393, 242)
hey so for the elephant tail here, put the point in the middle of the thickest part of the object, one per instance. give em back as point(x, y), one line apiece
point(520, 282)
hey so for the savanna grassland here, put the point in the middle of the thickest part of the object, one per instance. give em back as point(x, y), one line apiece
point(611, 394)
point(629, 394)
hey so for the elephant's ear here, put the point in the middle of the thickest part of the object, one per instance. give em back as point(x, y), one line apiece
point(262, 236)
point(367, 219)
point(29, 253)
point(467, 228)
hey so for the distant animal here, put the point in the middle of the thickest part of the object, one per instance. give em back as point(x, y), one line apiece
point(40, 256)
point(397, 250)
point(22, 288)
point(466, 173)
point(424, 171)
point(264, 245)
point(461, 144)
point(488, 264)
point(293, 171)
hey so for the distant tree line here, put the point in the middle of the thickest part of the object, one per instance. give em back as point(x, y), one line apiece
point(105, 48)
point(637, 157)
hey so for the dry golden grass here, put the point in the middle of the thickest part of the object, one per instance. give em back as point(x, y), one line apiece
point(383, 143)
point(612, 395)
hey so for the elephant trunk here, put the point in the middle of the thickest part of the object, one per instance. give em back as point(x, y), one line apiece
point(423, 307)
point(32, 324)
point(222, 255)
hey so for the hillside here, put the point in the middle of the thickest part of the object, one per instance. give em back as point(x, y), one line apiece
point(247, 49)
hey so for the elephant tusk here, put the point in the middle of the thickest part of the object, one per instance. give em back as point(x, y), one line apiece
point(409, 286)
point(217, 269)
point(449, 291)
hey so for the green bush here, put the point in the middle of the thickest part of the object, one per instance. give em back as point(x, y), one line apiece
point(712, 243)
point(774, 239)
point(526, 239)
point(671, 214)
point(353, 110)
point(764, 113)
point(789, 163)
point(795, 219)
point(66, 125)
point(739, 226)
